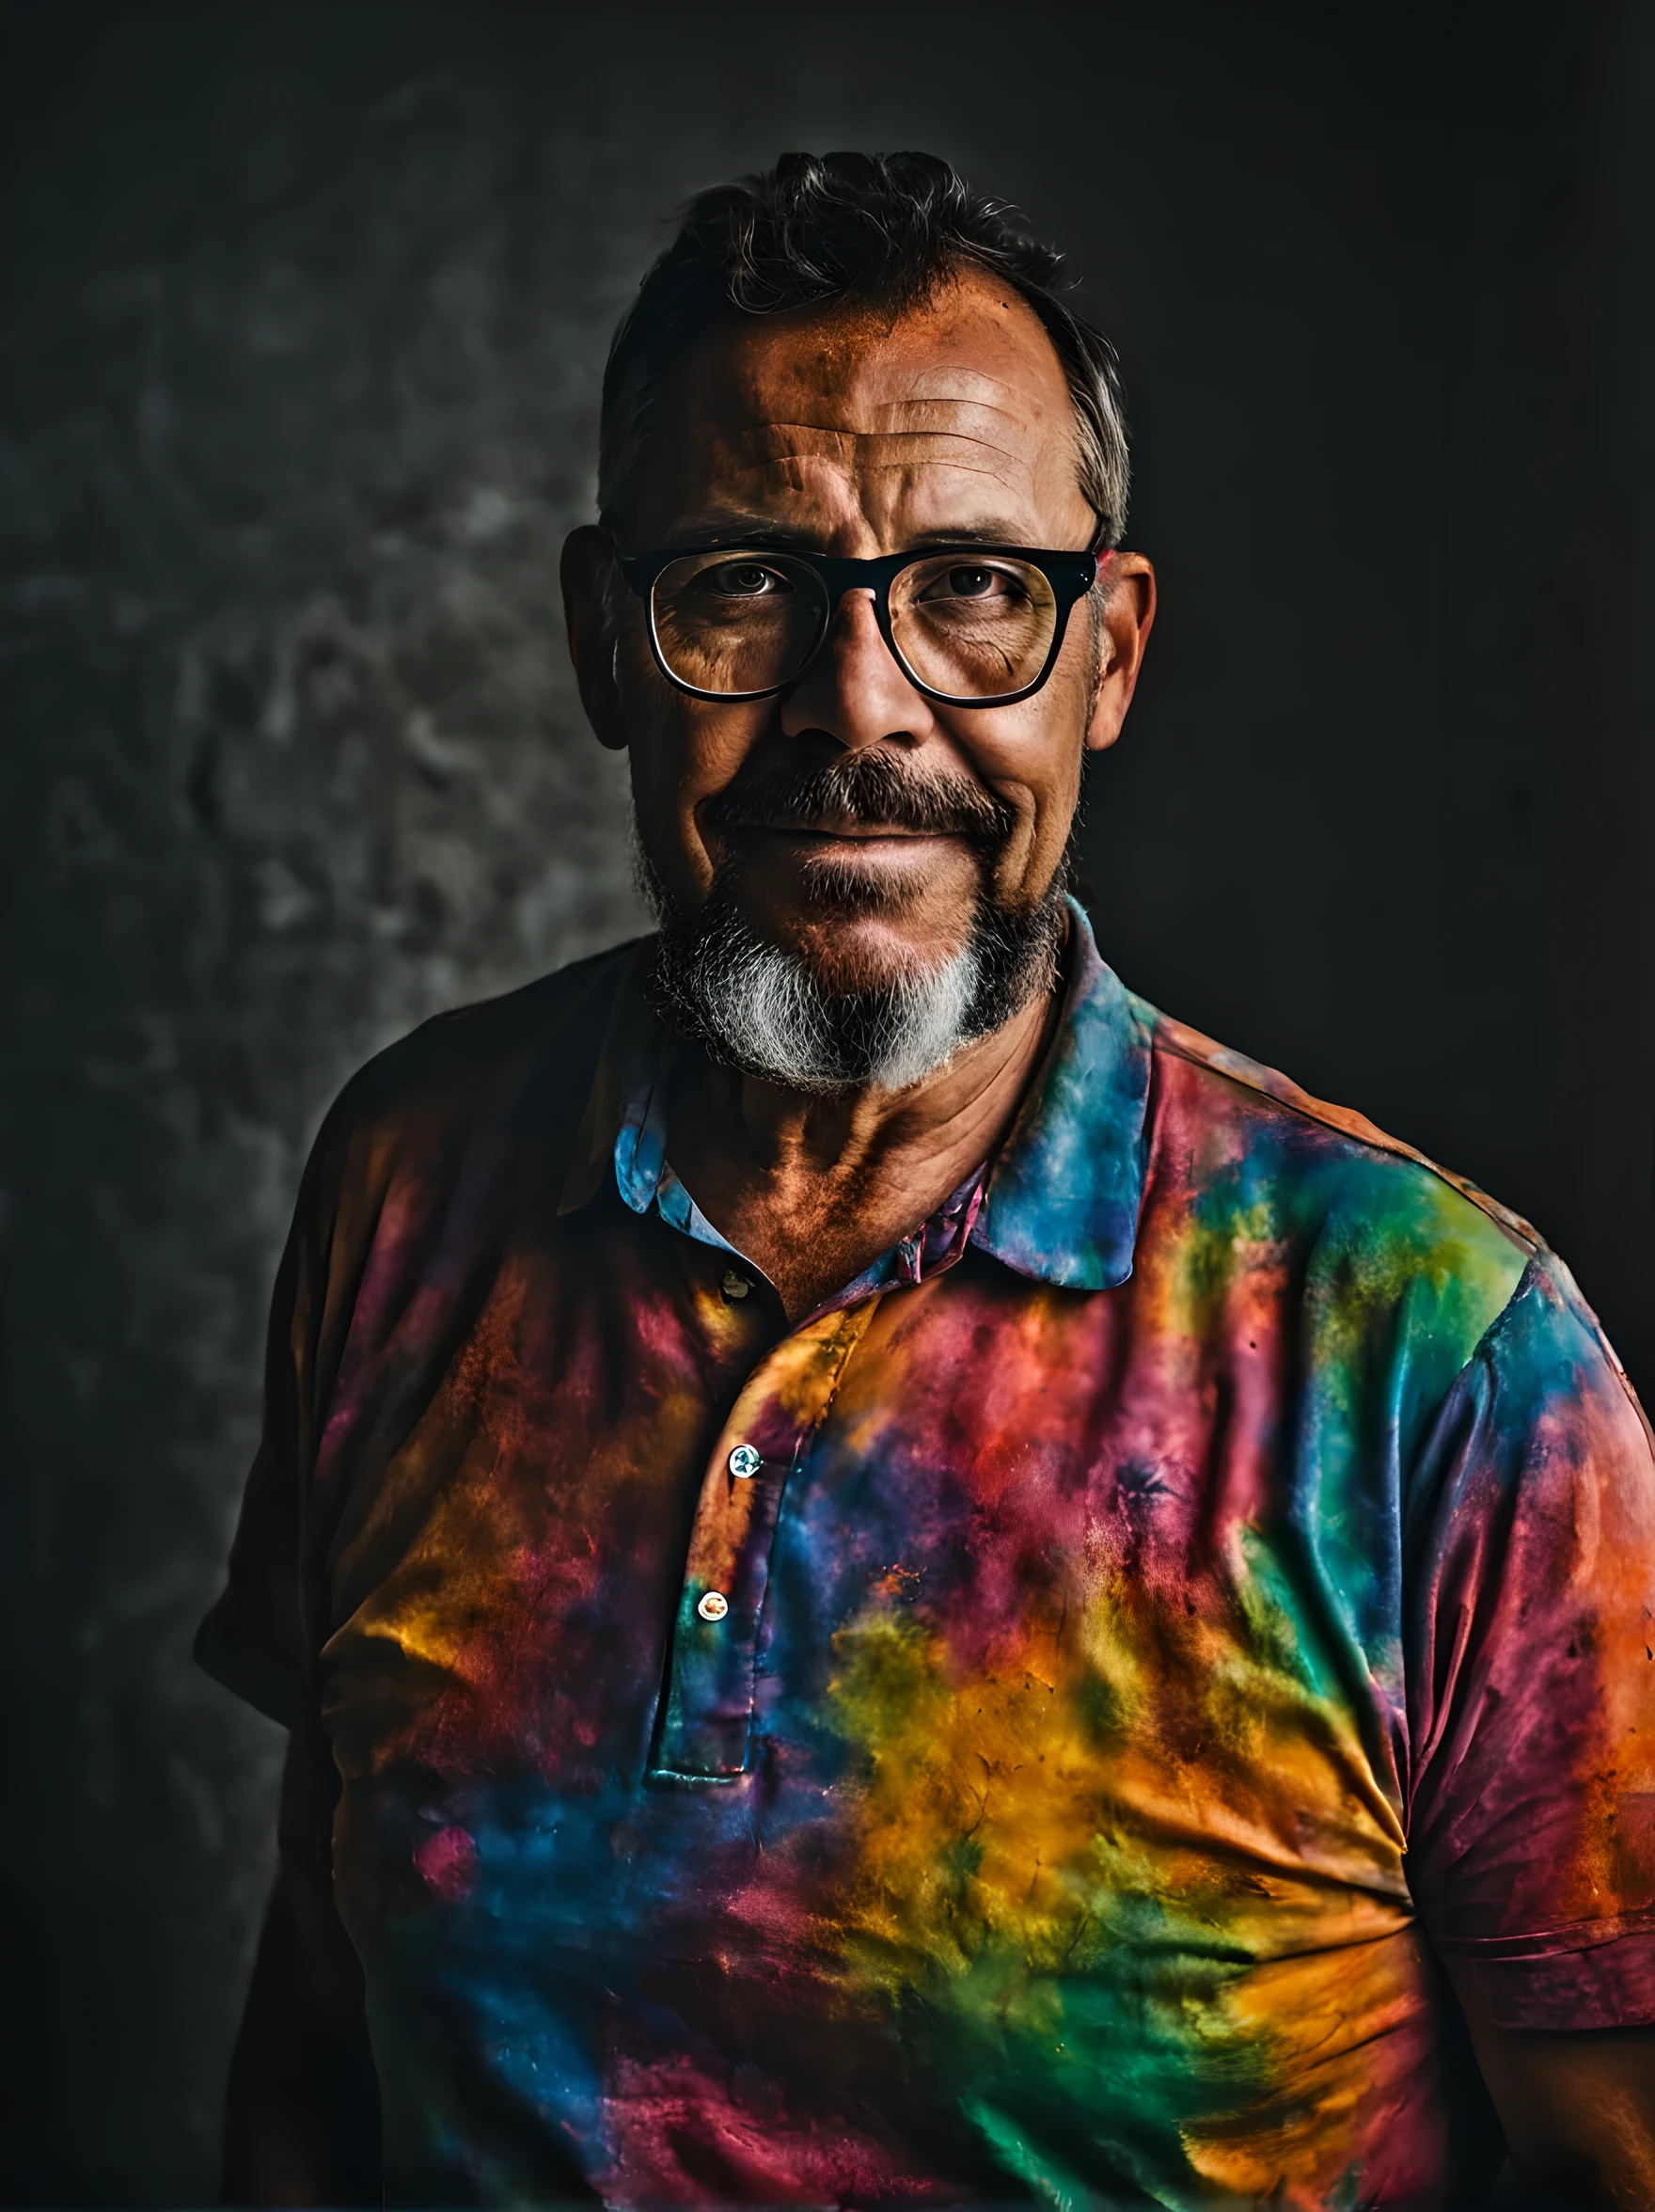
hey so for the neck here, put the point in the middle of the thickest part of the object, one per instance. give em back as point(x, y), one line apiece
point(848, 1135)
point(813, 1188)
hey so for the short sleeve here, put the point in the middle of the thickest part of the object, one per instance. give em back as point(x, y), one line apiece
point(1530, 1657)
point(254, 1639)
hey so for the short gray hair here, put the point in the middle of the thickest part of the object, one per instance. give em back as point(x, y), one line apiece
point(821, 229)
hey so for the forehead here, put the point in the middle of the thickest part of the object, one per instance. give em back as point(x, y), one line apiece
point(860, 415)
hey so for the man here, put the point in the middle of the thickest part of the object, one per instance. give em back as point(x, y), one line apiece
point(894, 1577)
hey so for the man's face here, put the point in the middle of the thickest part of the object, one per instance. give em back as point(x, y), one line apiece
point(854, 433)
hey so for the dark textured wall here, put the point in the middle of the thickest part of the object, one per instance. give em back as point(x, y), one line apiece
point(303, 315)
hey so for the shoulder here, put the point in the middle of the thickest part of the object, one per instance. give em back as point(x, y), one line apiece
point(1414, 1291)
point(1369, 1225)
point(468, 1079)
point(1238, 1108)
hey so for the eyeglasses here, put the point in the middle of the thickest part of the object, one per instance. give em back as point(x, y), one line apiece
point(968, 625)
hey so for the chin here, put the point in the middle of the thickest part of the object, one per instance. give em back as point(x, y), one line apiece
point(829, 1001)
point(853, 954)
point(856, 932)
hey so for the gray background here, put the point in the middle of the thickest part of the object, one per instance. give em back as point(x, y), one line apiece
point(304, 317)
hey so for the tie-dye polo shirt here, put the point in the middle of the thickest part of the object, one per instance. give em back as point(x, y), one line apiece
point(1081, 1717)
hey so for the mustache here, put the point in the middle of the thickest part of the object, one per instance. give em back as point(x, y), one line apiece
point(864, 791)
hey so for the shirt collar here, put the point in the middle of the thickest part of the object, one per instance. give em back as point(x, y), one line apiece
point(1062, 1203)
point(623, 1082)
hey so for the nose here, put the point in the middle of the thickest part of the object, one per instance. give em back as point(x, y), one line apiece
point(853, 689)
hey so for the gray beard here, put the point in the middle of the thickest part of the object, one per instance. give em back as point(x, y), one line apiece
point(764, 1011)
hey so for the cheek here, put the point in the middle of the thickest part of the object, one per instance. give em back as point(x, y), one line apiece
point(1034, 769)
point(1036, 749)
point(681, 753)
point(1047, 813)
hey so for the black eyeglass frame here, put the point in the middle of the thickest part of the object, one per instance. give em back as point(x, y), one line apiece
point(1071, 576)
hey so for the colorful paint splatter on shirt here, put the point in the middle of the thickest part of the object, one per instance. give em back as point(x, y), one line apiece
point(1075, 1719)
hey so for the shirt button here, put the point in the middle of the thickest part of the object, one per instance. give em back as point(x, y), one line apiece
point(745, 1463)
point(714, 1605)
point(734, 1286)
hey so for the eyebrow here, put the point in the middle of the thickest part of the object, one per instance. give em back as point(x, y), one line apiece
point(761, 532)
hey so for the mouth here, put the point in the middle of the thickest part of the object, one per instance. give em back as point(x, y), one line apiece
point(847, 844)
point(851, 832)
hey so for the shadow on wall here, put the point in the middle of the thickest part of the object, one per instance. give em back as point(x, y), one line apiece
point(307, 311)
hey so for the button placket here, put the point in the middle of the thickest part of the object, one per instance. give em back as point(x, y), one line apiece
point(707, 1709)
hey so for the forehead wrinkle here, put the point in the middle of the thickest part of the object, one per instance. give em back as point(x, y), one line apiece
point(956, 467)
point(940, 411)
point(924, 405)
point(951, 383)
point(928, 404)
point(795, 476)
point(762, 444)
point(895, 498)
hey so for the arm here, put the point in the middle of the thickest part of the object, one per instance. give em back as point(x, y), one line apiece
point(302, 2107)
point(302, 2114)
point(1578, 2110)
point(1532, 1697)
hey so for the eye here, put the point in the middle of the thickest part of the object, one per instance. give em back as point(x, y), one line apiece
point(742, 580)
point(972, 580)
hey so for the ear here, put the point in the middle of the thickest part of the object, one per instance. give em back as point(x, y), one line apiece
point(1128, 615)
point(591, 582)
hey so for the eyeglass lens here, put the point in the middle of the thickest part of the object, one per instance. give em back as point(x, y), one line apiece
point(732, 622)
